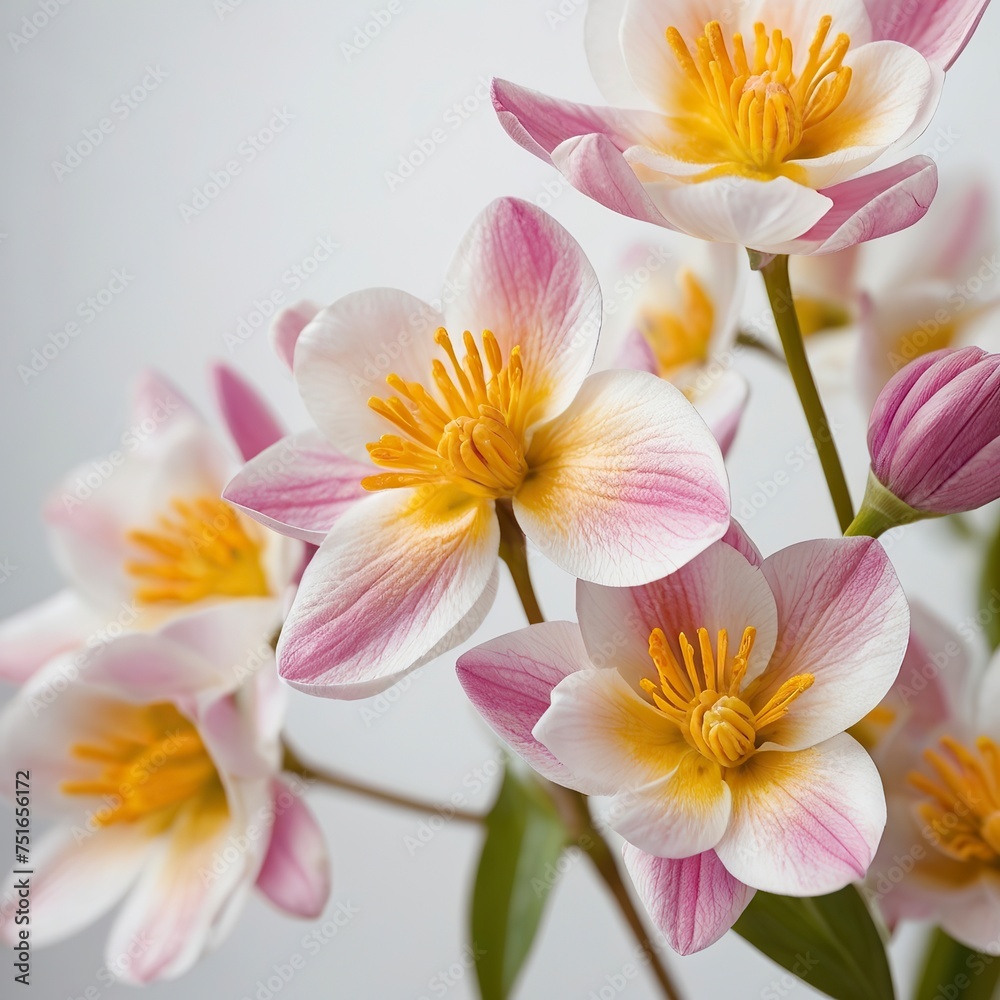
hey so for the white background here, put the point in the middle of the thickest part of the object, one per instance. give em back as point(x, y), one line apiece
point(355, 114)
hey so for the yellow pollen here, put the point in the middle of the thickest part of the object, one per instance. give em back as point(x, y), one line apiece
point(201, 549)
point(682, 338)
point(704, 697)
point(871, 730)
point(751, 105)
point(468, 435)
point(150, 763)
point(962, 808)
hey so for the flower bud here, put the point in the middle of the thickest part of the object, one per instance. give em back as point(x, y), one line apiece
point(934, 440)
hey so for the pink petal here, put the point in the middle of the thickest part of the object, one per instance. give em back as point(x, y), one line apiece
point(693, 902)
point(722, 406)
point(843, 618)
point(636, 353)
point(738, 539)
point(804, 823)
point(251, 424)
point(869, 207)
point(33, 636)
point(295, 875)
point(287, 326)
point(719, 589)
point(299, 486)
point(510, 681)
point(636, 477)
point(520, 275)
point(156, 401)
point(939, 29)
point(395, 576)
point(79, 874)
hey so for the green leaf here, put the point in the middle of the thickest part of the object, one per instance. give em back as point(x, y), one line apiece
point(958, 973)
point(989, 592)
point(829, 942)
point(517, 870)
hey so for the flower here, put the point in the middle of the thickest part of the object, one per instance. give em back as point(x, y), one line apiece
point(159, 761)
point(934, 440)
point(682, 323)
point(752, 123)
point(939, 858)
point(143, 536)
point(418, 448)
point(929, 287)
point(711, 706)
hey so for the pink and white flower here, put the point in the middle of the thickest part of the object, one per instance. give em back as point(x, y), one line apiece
point(143, 536)
point(682, 325)
point(159, 760)
point(613, 475)
point(712, 707)
point(752, 123)
point(934, 438)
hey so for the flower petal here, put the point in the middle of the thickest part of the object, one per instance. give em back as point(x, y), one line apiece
point(510, 681)
point(33, 636)
point(299, 486)
point(251, 424)
point(286, 328)
point(626, 485)
point(295, 874)
point(396, 575)
point(868, 207)
point(693, 901)
point(80, 874)
point(940, 29)
point(666, 797)
point(721, 404)
point(843, 618)
point(805, 823)
point(720, 589)
point(156, 401)
point(755, 214)
point(604, 54)
point(520, 275)
point(343, 356)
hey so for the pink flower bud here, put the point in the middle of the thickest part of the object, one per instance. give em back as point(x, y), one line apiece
point(934, 435)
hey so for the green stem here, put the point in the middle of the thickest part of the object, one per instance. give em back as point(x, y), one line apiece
point(575, 810)
point(294, 765)
point(882, 511)
point(514, 552)
point(779, 293)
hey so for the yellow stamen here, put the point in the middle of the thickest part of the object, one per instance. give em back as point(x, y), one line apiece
point(704, 698)
point(962, 806)
point(757, 111)
point(682, 338)
point(151, 763)
point(201, 549)
point(471, 436)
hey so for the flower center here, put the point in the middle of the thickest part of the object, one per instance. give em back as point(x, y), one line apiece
point(753, 106)
point(929, 336)
point(681, 338)
point(469, 435)
point(201, 549)
point(149, 764)
point(962, 809)
point(705, 699)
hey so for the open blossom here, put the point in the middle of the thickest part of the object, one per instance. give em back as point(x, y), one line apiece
point(430, 423)
point(159, 761)
point(712, 707)
point(681, 325)
point(752, 123)
point(143, 536)
point(929, 287)
point(940, 857)
point(934, 436)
